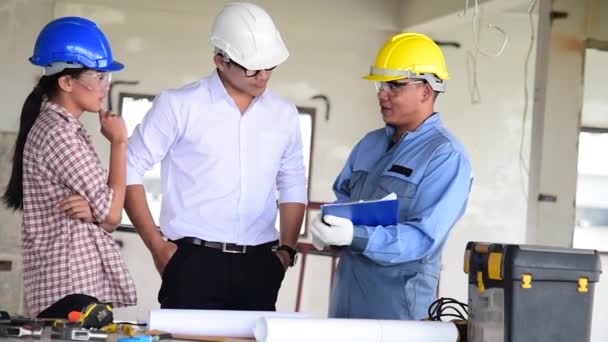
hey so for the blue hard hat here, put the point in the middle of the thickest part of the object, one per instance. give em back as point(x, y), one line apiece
point(74, 40)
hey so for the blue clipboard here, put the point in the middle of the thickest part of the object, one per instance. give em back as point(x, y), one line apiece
point(382, 212)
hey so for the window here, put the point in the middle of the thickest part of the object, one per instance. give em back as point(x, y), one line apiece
point(591, 221)
point(307, 121)
point(133, 107)
point(591, 229)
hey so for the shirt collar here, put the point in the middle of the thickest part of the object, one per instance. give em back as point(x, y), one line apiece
point(216, 87)
point(63, 113)
point(430, 122)
point(218, 91)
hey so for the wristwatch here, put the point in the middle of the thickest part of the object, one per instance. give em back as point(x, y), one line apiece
point(293, 253)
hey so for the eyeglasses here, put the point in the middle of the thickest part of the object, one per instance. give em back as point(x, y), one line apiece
point(99, 80)
point(394, 87)
point(249, 73)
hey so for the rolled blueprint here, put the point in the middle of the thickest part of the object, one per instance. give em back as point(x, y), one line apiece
point(277, 329)
point(210, 322)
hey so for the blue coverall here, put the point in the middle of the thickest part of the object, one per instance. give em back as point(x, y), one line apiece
point(391, 272)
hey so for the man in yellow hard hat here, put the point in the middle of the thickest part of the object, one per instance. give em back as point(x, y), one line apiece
point(391, 272)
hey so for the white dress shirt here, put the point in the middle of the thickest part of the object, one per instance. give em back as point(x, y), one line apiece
point(220, 169)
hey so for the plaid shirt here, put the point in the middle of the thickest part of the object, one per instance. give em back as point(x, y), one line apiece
point(62, 255)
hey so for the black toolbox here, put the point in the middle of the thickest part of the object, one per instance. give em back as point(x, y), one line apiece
point(521, 293)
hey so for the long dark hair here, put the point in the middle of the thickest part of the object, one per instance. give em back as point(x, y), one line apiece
point(48, 87)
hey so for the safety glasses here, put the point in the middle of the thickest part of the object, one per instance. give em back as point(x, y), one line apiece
point(249, 73)
point(93, 80)
point(393, 87)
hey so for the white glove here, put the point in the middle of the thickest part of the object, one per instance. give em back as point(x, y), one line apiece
point(337, 232)
point(318, 244)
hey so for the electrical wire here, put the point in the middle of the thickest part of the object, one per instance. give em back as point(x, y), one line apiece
point(471, 65)
point(522, 161)
point(472, 56)
point(445, 307)
point(476, 21)
point(476, 33)
point(472, 79)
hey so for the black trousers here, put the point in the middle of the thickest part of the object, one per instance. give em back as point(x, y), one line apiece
point(200, 277)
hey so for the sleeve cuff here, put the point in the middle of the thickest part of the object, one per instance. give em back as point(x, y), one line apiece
point(360, 239)
point(293, 196)
point(133, 177)
point(100, 206)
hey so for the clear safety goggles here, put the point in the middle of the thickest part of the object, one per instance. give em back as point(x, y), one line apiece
point(437, 84)
point(94, 80)
point(394, 87)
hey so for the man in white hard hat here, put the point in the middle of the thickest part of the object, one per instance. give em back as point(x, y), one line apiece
point(226, 144)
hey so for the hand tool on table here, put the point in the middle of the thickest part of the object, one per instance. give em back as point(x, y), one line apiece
point(94, 315)
point(20, 331)
point(73, 332)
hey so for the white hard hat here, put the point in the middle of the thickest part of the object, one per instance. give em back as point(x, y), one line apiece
point(246, 33)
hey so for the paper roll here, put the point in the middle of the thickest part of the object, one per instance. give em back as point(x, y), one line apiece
point(275, 329)
point(210, 322)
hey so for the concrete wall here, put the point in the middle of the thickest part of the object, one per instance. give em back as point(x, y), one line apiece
point(597, 26)
point(20, 22)
point(11, 288)
point(163, 45)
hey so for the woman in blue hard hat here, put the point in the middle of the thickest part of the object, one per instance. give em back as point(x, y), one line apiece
point(69, 204)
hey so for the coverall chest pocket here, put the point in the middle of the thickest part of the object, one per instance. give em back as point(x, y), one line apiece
point(401, 185)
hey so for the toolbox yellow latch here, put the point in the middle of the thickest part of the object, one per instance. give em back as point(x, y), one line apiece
point(480, 284)
point(582, 284)
point(467, 257)
point(495, 266)
point(526, 281)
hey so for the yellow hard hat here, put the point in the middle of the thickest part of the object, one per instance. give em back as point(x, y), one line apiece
point(410, 55)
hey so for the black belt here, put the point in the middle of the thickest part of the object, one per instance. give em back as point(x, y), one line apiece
point(228, 247)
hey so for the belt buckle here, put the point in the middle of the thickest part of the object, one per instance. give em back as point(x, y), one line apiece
point(241, 250)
